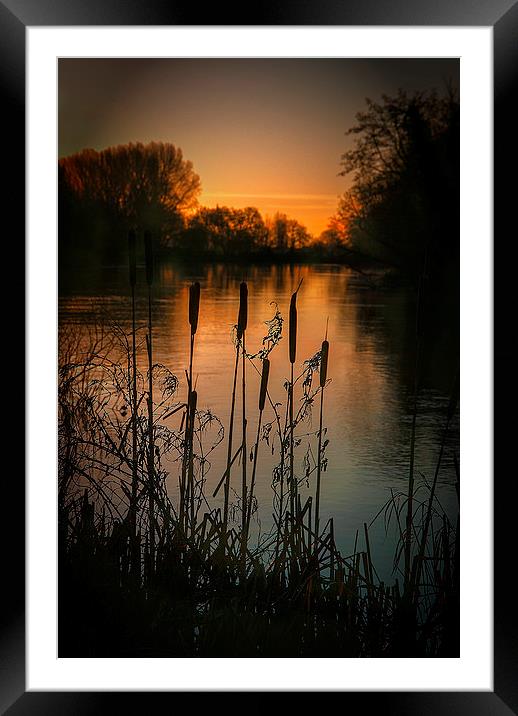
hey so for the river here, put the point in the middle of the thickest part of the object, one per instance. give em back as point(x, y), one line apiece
point(368, 403)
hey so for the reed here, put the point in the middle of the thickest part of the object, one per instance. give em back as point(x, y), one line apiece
point(132, 255)
point(293, 357)
point(193, 400)
point(411, 476)
point(428, 518)
point(324, 356)
point(242, 319)
point(301, 595)
point(265, 372)
point(148, 247)
point(186, 482)
point(241, 334)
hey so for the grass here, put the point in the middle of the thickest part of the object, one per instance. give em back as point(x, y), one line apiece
point(145, 573)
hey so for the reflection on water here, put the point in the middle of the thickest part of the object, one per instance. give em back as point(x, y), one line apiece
point(371, 364)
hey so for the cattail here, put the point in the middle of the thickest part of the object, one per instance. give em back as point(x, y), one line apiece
point(323, 363)
point(194, 306)
point(243, 309)
point(324, 355)
point(132, 240)
point(148, 247)
point(264, 383)
point(293, 327)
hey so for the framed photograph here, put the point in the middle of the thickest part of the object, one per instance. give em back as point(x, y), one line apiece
point(253, 253)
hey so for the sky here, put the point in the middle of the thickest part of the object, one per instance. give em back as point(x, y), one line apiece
point(267, 133)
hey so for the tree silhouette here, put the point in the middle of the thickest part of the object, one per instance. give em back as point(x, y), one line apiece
point(224, 231)
point(143, 186)
point(404, 199)
point(287, 235)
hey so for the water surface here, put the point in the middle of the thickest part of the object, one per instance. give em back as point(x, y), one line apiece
point(368, 404)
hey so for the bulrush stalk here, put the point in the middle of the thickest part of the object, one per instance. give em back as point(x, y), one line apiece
point(242, 318)
point(148, 246)
point(193, 399)
point(241, 334)
point(293, 357)
point(410, 500)
point(262, 399)
point(194, 312)
point(324, 355)
point(132, 240)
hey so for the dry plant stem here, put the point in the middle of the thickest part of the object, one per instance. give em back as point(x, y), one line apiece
point(262, 398)
point(292, 471)
point(183, 474)
point(151, 439)
point(134, 481)
point(324, 356)
point(319, 468)
point(194, 310)
point(192, 417)
point(292, 354)
point(229, 449)
point(410, 503)
point(428, 519)
point(252, 481)
point(244, 458)
point(280, 532)
point(151, 446)
point(190, 491)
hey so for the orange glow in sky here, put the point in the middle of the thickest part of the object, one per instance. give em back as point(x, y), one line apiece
point(267, 133)
point(312, 210)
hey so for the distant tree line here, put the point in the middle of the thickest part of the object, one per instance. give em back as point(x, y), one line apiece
point(401, 211)
point(226, 232)
point(104, 194)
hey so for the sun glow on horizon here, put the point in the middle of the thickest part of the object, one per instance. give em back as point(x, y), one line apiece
point(311, 210)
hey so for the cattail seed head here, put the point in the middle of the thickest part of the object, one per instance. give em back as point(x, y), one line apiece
point(264, 383)
point(194, 306)
point(132, 241)
point(148, 247)
point(293, 328)
point(243, 309)
point(323, 363)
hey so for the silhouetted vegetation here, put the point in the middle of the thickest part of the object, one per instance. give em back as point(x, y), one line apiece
point(403, 207)
point(132, 186)
point(148, 568)
point(401, 214)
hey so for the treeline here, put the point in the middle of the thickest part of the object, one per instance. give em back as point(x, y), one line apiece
point(401, 211)
point(153, 188)
point(224, 232)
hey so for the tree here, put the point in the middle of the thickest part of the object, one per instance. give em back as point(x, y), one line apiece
point(403, 203)
point(287, 234)
point(145, 186)
point(225, 231)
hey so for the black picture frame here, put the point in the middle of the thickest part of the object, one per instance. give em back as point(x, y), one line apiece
point(502, 15)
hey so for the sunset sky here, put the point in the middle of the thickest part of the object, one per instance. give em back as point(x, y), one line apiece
point(260, 132)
